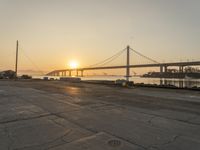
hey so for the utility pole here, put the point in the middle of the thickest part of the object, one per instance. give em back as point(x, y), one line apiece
point(128, 64)
point(16, 63)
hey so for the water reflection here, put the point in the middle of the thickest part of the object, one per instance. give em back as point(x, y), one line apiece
point(174, 82)
point(180, 82)
point(163, 81)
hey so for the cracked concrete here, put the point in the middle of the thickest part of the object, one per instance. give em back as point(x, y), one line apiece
point(42, 115)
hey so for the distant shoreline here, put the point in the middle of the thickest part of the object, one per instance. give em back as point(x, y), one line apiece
point(169, 75)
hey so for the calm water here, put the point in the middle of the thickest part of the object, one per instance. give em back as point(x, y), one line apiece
point(158, 81)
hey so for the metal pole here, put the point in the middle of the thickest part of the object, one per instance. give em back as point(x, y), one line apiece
point(128, 64)
point(16, 63)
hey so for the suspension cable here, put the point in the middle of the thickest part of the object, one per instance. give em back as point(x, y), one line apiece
point(111, 59)
point(108, 59)
point(36, 66)
point(144, 56)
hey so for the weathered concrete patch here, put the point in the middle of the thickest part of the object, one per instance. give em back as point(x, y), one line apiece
point(81, 116)
point(5, 139)
point(100, 141)
point(181, 143)
point(41, 132)
point(177, 127)
point(18, 111)
point(131, 129)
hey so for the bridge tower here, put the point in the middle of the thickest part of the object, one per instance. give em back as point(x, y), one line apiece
point(128, 64)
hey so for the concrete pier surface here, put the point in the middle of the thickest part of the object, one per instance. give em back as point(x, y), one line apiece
point(57, 115)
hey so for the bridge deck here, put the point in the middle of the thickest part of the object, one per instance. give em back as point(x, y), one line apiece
point(194, 63)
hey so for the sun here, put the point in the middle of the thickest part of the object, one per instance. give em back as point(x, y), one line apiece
point(73, 64)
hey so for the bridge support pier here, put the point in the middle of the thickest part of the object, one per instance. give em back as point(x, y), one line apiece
point(165, 69)
point(161, 69)
point(163, 82)
point(180, 84)
point(128, 64)
point(181, 68)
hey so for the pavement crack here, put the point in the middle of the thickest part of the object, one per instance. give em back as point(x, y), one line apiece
point(131, 142)
point(151, 119)
point(48, 143)
point(170, 118)
point(77, 124)
point(172, 141)
point(59, 124)
point(153, 148)
point(95, 131)
point(9, 137)
point(159, 147)
point(193, 118)
point(29, 118)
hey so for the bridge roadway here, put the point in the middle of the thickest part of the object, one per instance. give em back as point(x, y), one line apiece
point(161, 65)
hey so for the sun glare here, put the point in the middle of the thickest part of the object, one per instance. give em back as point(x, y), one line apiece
point(73, 64)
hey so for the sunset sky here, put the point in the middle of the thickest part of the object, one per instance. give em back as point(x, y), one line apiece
point(53, 32)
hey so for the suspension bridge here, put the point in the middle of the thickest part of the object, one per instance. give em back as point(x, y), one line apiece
point(103, 65)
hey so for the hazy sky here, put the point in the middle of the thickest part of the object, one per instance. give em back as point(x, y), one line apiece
point(53, 32)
